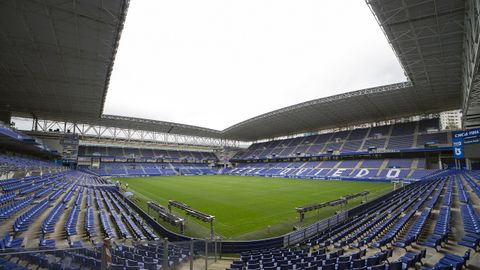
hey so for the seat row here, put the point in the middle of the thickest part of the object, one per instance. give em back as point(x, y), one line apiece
point(414, 231)
point(441, 230)
point(23, 222)
point(89, 222)
point(8, 210)
point(68, 196)
point(121, 226)
point(55, 194)
point(48, 225)
point(452, 261)
point(8, 242)
point(150, 234)
point(79, 198)
point(138, 232)
point(71, 223)
point(43, 192)
point(16, 185)
point(471, 226)
point(29, 189)
point(473, 184)
point(462, 194)
point(332, 261)
point(7, 197)
point(440, 233)
point(363, 229)
point(106, 226)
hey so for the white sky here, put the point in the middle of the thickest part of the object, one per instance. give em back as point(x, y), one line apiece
point(214, 63)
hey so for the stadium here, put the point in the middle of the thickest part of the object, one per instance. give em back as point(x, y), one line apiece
point(377, 178)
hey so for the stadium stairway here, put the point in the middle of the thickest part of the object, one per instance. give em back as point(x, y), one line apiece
point(362, 145)
point(456, 233)
point(413, 167)
point(336, 165)
point(415, 137)
point(388, 136)
point(358, 166)
point(415, 164)
point(60, 235)
point(453, 237)
point(382, 167)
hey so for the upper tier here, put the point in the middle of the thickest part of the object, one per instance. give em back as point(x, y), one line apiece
point(388, 138)
point(121, 152)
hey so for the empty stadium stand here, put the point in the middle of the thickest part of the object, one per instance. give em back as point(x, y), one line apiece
point(61, 198)
point(11, 163)
point(150, 169)
point(404, 229)
point(402, 137)
point(116, 161)
point(145, 153)
point(368, 169)
point(57, 60)
point(391, 234)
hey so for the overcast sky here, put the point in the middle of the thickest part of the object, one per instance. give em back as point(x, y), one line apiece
point(214, 63)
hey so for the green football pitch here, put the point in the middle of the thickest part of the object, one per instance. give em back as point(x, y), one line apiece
point(246, 207)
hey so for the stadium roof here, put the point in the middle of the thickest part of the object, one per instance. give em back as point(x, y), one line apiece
point(427, 37)
point(157, 126)
point(358, 107)
point(57, 58)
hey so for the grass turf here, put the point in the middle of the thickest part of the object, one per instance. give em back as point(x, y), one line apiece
point(247, 207)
